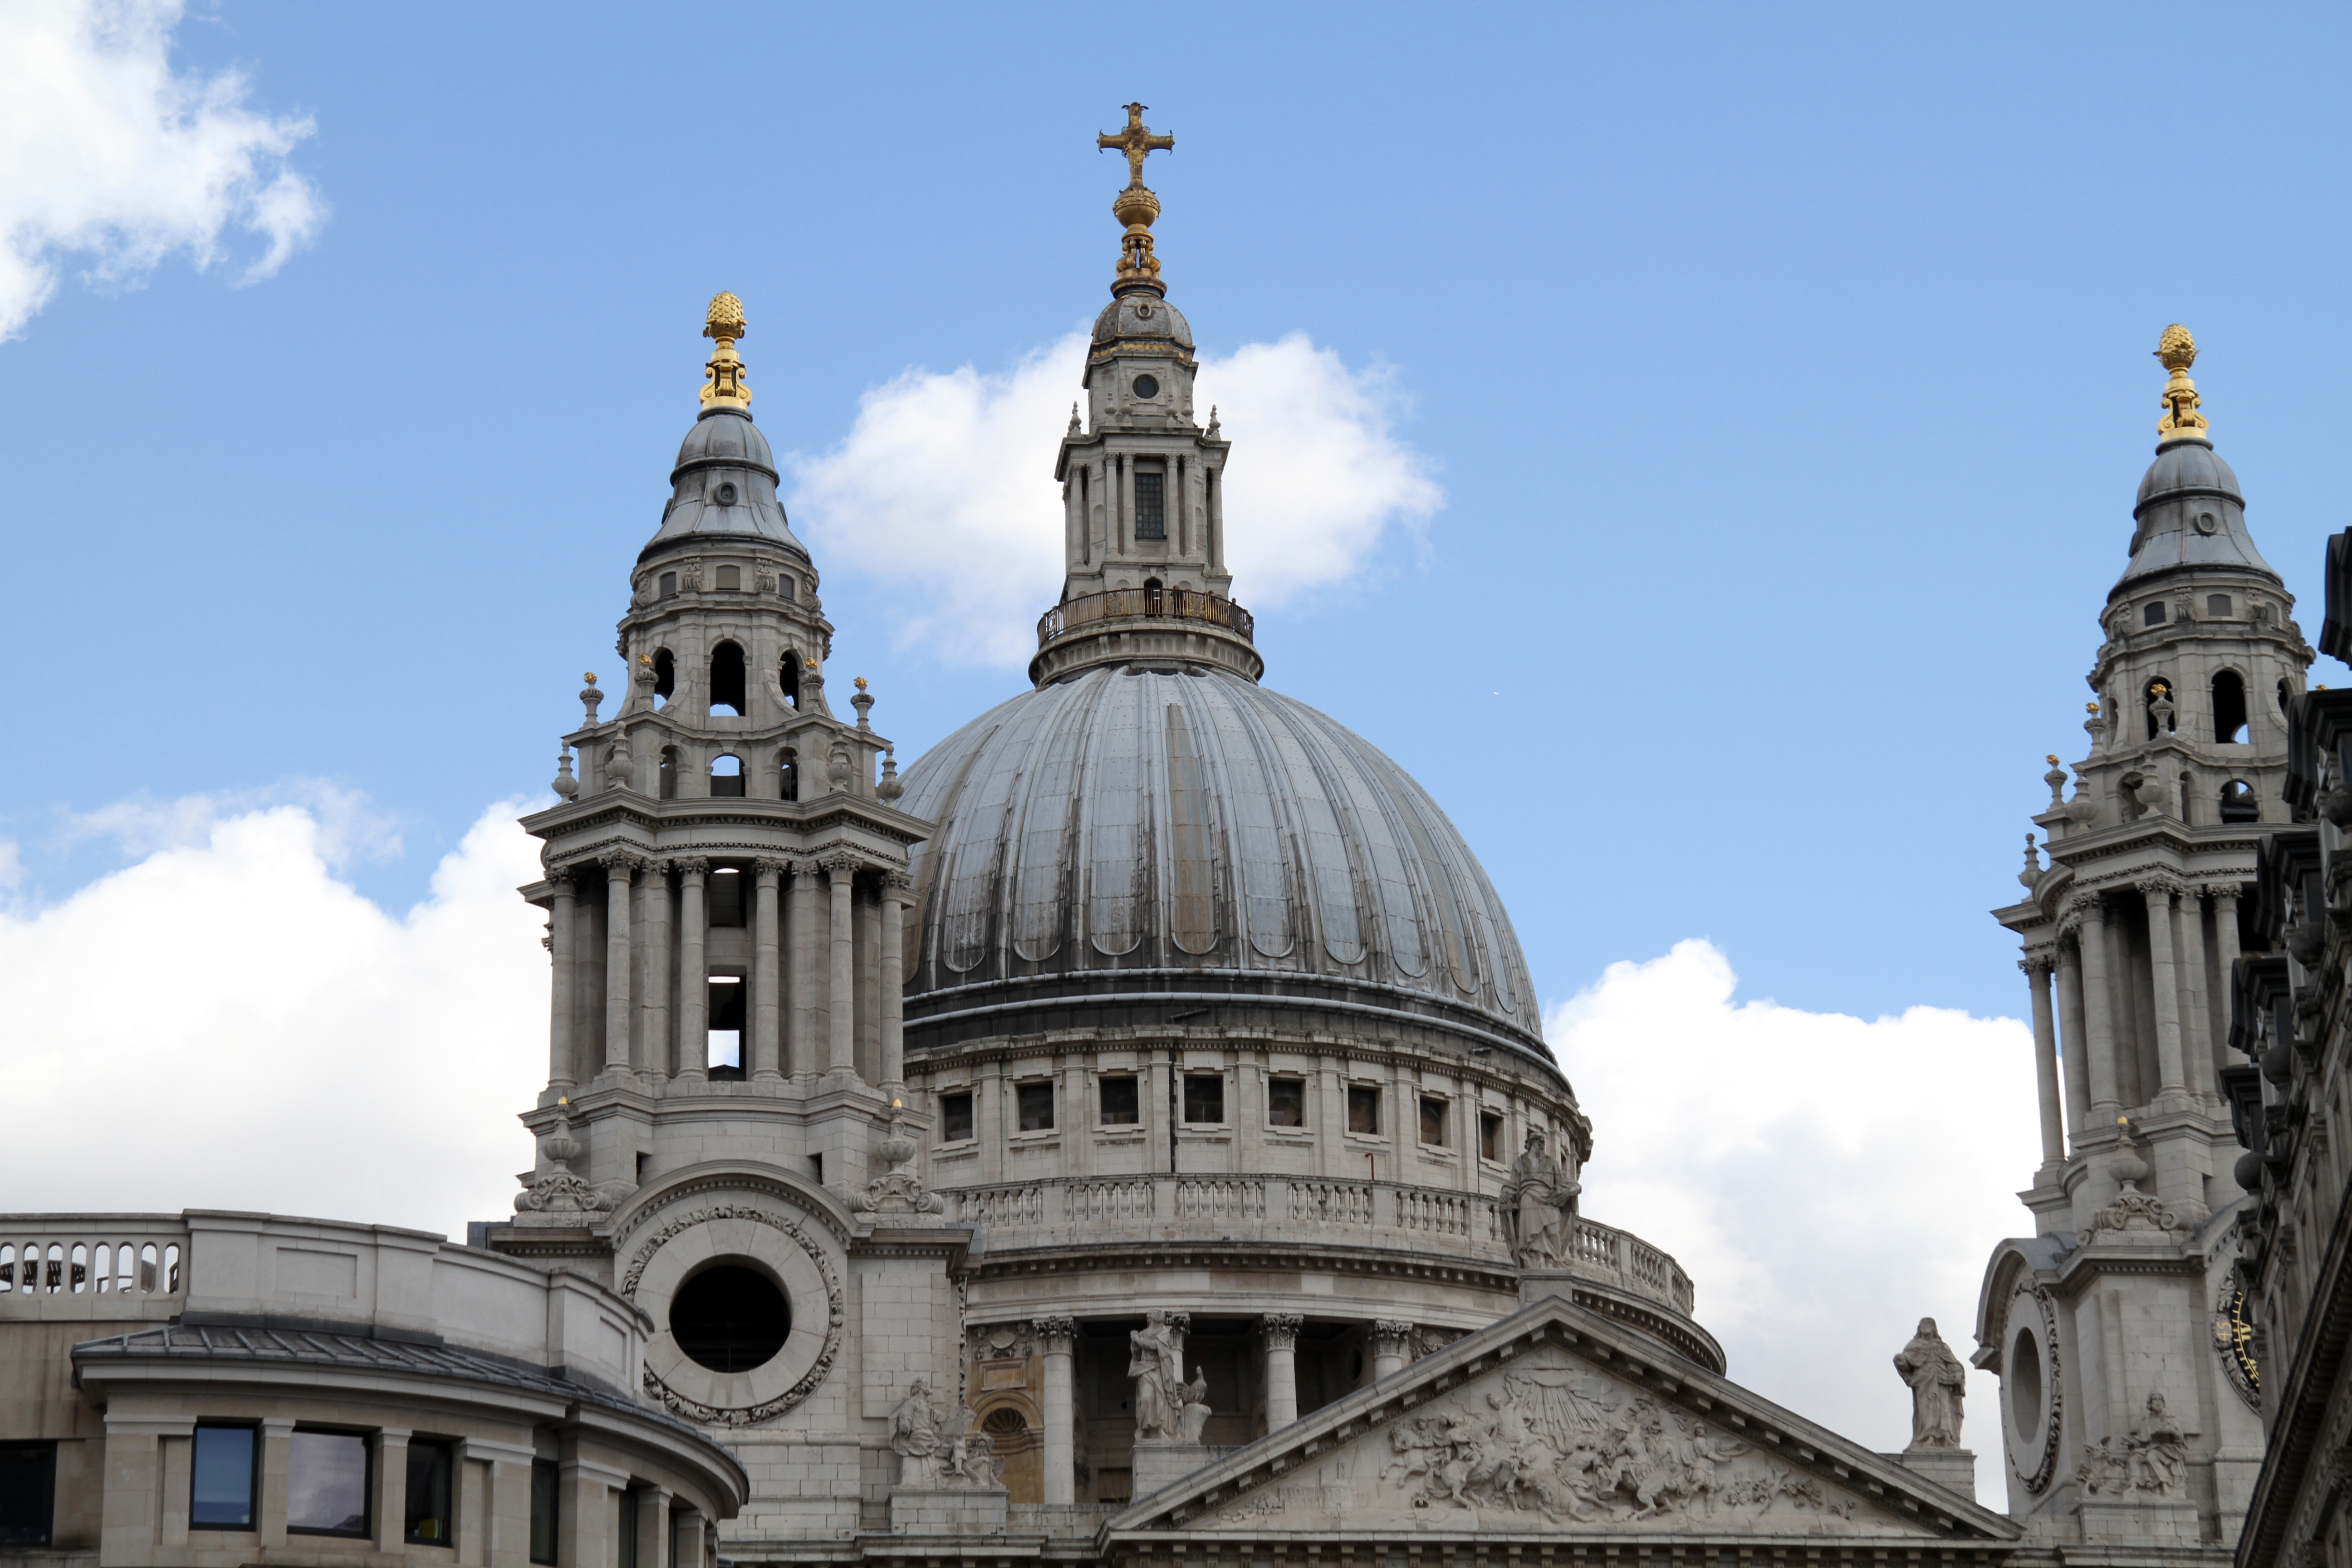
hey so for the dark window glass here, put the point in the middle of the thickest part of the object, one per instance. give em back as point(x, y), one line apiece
point(327, 1483)
point(1433, 1122)
point(1150, 505)
point(428, 1521)
point(668, 584)
point(1286, 1103)
point(1146, 387)
point(1490, 1136)
point(1204, 1098)
point(955, 1118)
point(1035, 1104)
point(788, 585)
point(627, 1545)
point(729, 1318)
point(1121, 1105)
point(1363, 1108)
point(220, 1489)
point(28, 1490)
point(544, 1492)
point(2153, 615)
point(725, 1050)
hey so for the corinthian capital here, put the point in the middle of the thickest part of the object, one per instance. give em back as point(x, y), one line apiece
point(1280, 1330)
point(2160, 885)
point(621, 863)
point(1058, 1336)
point(1391, 1337)
point(2044, 963)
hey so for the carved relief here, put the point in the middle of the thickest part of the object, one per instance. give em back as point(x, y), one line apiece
point(2033, 1310)
point(837, 1313)
point(2152, 1461)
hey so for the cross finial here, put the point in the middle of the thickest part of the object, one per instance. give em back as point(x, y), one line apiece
point(1137, 142)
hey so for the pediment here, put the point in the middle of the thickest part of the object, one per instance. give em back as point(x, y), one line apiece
point(1558, 1421)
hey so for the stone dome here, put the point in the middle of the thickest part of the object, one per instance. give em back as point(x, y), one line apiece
point(1185, 837)
point(1142, 315)
point(723, 488)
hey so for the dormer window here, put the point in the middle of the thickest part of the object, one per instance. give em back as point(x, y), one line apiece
point(1151, 502)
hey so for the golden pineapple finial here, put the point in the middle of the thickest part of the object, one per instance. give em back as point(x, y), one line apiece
point(2176, 350)
point(725, 325)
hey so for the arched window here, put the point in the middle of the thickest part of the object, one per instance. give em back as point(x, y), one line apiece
point(2152, 612)
point(726, 774)
point(726, 679)
point(664, 676)
point(670, 772)
point(788, 770)
point(2238, 801)
point(2156, 689)
point(788, 677)
point(2229, 709)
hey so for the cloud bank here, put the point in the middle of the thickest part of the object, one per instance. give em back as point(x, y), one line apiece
point(1827, 1180)
point(944, 486)
point(109, 155)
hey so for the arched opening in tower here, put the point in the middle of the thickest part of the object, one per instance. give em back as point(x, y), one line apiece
point(2229, 709)
point(664, 676)
point(788, 677)
point(726, 679)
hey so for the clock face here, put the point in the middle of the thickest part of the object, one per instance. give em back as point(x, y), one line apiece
point(1146, 387)
point(2233, 1336)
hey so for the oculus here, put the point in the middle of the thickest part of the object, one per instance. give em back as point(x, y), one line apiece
point(1146, 387)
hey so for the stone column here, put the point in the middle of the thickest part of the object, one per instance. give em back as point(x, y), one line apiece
point(1279, 1333)
point(2225, 955)
point(841, 998)
point(620, 871)
point(560, 1062)
point(653, 944)
point(808, 966)
point(2075, 1054)
point(693, 976)
point(276, 1465)
point(2196, 1007)
point(1058, 1338)
point(897, 896)
point(2037, 967)
point(653, 1526)
point(2159, 891)
point(767, 978)
point(864, 952)
point(2098, 1019)
point(1392, 1346)
point(391, 1499)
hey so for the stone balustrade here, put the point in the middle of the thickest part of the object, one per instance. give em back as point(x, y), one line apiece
point(91, 1265)
point(1307, 1210)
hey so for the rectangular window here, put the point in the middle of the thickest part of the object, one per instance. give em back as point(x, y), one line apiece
point(543, 1495)
point(1433, 1122)
point(429, 1466)
point(1286, 1103)
point(1204, 1098)
point(955, 1117)
point(789, 587)
point(669, 584)
point(1122, 1105)
point(327, 1483)
point(1490, 1136)
point(1150, 504)
point(627, 1545)
point(28, 1491)
point(731, 579)
point(1364, 1108)
point(726, 1046)
point(2217, 606)
point(220, 1484)
point(724, 903)
point(1035, 1102)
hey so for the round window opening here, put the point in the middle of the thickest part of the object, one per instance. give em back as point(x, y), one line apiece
point(729, 1318)
point(2025, 1386)
point(1146, 387)
point(726, 495)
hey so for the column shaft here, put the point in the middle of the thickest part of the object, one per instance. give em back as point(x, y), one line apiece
point(390, 1501)
point(560, 1062)
point(767, 978)
point(1280, 1332)
point(2045, 1061)
point(620, 872)
point(805, 929)
point(842, 998)
point(2075, 1054)
point(654, 948)
point(864, 953)
point(2196, 1002)
point(1058, 1336)
point(2166, 987)
point(894, 986)
point(693, 974)
point(2098, 1021)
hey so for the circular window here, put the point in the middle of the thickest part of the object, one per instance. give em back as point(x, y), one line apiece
point(2025, 1387)
point(729, 1318)
point(726, 495)
point(1146, 387)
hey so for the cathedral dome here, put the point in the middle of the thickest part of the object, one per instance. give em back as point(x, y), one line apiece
point(723, 488)
point(2192, 517)
point(1148, 836)
point(1142, 315)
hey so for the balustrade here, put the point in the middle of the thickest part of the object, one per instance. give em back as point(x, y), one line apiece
point(74, 1256)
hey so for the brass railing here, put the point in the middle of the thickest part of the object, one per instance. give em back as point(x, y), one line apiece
point(1179, 603)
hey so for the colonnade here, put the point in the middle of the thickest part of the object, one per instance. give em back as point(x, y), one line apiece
point(823, 971)
point(2103, 982)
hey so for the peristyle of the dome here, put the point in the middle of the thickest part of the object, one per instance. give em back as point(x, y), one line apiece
point(1134, 830)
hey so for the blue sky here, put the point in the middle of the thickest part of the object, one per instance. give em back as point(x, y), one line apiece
point(1786, 370)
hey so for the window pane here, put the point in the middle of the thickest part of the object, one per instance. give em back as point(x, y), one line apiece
point(955, 1118)
point(1363, 1108)
point(1150, 507)
point(1286, 1103)
point(543, 1510)
point(326, 1482)
point(1433, 1122)
point(220, 1494)
point(1035, 1104)
point(429, 1494)
point(1490, 1137)
point(28, 1490)
point(1121, 1106)
point(1205, 1099)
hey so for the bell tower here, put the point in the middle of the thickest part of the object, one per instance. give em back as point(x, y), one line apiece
point(1142, 481)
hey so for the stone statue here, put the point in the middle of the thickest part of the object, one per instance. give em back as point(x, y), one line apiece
point(1539, 1203)
point(915, 1437)
point(2158, 1451)
point(1938, 1384)
point(1155, 1358)
point(1194, 1414)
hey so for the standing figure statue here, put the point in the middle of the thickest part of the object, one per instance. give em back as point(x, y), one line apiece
point(1539, 1204)
point(1939, 1383)
point(1155, 1358)
point(915, 1437)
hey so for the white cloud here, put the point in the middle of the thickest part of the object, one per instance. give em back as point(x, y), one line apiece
point(945, 486)
point(347, 825)
point(226, 1023)
point(108, 155)
point(1827, 1180)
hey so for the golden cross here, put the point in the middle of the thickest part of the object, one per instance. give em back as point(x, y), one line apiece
point(1137, 142)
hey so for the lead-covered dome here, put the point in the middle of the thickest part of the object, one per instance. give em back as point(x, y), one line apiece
point(2190, 517)
point(1142, 315)
point(1176, 837)
point(723, 488)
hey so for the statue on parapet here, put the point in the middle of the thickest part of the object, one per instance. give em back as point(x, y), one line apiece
point(1938, 1382)
point(1539, 1205)
point(1155, 1358)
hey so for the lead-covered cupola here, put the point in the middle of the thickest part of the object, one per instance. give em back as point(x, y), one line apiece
point(2191, 514)
point(723, 487)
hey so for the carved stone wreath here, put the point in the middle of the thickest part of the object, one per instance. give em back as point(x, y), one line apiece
point(2044, 1466)
point(837, 1313)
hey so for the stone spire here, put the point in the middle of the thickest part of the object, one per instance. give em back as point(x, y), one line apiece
point(1142, 484)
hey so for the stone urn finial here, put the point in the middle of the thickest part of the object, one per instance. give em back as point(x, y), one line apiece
point(2127, 1166)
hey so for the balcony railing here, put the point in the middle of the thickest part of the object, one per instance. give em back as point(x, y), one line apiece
point(89, 1256)
point(1084, 1210)
point(1177, 604)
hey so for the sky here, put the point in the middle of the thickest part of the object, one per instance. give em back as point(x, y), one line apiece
point(1695, 441)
